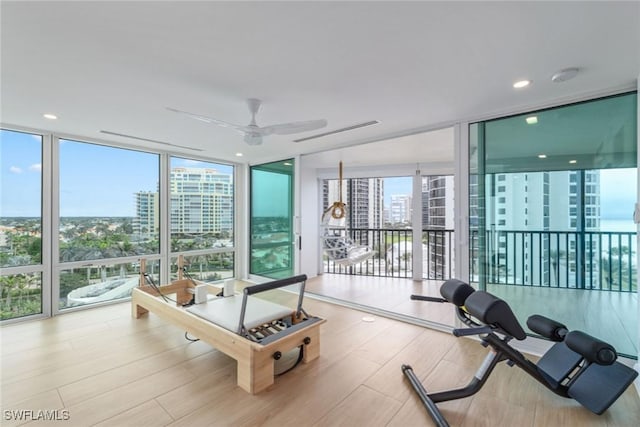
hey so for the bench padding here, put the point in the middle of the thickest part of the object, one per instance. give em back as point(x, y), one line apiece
point(225, 312)
point(495, 312)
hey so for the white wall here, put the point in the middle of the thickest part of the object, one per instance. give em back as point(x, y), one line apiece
point(309, 219)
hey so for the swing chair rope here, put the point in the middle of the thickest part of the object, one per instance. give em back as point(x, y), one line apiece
point(337, 209)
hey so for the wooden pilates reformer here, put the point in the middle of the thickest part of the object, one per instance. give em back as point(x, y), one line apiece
point(253, 331)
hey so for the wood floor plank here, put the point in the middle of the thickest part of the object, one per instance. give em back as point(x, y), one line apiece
point(423, 355)
point(94, 385)
point(205, 389)
point(116, 401)
point(23, 388)
point(362, 407)
point(49, 400)
point(491, 411)
point(388, 342)
point(148, 414)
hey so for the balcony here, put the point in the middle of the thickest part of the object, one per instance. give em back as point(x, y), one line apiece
point(393, 253)
point(590, 260)
point(535, 271)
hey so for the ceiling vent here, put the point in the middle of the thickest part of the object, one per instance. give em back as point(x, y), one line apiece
point(107, 132)
point(345, 129)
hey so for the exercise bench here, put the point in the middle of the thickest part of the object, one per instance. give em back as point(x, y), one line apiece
point(577, 366)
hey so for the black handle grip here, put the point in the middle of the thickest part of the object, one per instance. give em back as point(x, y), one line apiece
point(472, 331)
point(424, 298)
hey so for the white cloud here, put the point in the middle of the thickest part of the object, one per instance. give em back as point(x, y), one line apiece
point(36, 167)
point(15, 169)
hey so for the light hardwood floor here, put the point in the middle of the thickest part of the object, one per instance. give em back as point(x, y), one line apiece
point(108, 369)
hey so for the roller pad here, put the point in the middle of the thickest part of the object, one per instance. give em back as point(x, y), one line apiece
point(599, 386)
point(591, 348)
point(557, 363)
point(493, 311)
point(547, 328)
point(456, 291)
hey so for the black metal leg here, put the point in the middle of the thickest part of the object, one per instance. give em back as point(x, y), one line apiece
point(433, 410)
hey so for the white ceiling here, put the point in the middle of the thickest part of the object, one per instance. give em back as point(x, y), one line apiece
point(115, 66)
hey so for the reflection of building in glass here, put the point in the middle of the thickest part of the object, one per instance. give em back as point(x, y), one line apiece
point(201, 202)
point(548, 203)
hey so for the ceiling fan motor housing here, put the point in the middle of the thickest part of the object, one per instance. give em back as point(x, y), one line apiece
point(253, 138)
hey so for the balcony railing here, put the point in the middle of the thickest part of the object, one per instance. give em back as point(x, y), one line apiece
point(393, 253)
point(591, 260)
point(595, 260)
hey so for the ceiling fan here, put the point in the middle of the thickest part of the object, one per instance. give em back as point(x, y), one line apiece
point(252, 132)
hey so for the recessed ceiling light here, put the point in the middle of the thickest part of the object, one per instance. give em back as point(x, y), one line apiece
point(521, 83)
point(532, 120)
point(573, 162)
point(542, 156)
point(50, 116)
point(238, 154)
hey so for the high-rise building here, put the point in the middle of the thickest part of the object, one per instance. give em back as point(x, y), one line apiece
point(400, 208)
point(363, 197)
point(201, 202)
point(437, 216)
point(147, 220)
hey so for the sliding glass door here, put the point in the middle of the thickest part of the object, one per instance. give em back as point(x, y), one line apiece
point(551, 200)
point(272, 238)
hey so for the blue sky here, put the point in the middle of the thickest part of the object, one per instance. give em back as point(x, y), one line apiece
point(397, 185)
point(94, 180)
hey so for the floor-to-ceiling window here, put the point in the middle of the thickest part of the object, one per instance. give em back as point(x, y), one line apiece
point(21, 224)
point(108, 220)
point(201, 218)
point(114, 212)
point(552, 195)
point(271, 220)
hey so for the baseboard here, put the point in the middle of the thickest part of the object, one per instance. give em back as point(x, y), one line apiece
point(637, 381)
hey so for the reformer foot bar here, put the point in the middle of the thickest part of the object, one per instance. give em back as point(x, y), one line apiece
point(577, 366)
point(253, 331)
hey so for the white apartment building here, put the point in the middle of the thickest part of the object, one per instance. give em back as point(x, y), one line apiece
point(400, 208)
point(201, 202)
point(437, 216)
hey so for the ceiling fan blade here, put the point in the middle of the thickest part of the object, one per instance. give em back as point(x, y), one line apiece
point(210, 120)
point(294, 127)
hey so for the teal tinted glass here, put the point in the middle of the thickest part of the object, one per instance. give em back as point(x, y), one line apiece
point(551, 197)
point(598, 134)
point(272, 219)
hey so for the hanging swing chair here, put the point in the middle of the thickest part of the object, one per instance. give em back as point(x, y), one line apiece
point(338, 247)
